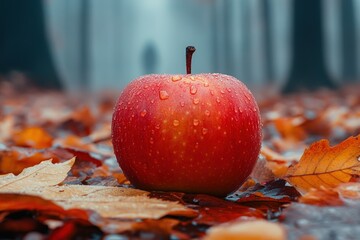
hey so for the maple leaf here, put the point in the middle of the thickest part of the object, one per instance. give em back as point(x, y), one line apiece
point(325, 166)
point(114, 202)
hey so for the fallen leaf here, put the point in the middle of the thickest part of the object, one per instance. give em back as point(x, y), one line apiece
point(42, 175)
point(290, 128)
point(35, 137)
point(270, 196)
point(322, 197)
point(214, 210)
point(74, 228)
point(114, 202)
point(325, 166)
point(20, 202)
point(6, 127)
point(277, 163)
point(250, 230)
point(155, 229)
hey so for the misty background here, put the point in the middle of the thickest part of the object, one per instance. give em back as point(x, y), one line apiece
point(105, 44)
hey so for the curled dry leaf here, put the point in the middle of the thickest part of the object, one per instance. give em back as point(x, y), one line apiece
point(256, 230)
point(114, 202)
point(267, 197)
point(325, 166)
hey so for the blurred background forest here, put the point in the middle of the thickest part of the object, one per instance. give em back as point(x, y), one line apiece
point(92, 44)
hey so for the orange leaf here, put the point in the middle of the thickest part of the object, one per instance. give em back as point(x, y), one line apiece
point(35, 137)
point(322, 197)
point(325, 166)
point(17, 202)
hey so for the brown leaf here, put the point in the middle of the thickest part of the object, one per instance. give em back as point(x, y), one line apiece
point(271, 196)
point(254, 230)
point(325, 166)
point(115, 202)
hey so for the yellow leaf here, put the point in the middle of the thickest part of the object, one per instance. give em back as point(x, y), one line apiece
point(325, 166)
point(114, 202)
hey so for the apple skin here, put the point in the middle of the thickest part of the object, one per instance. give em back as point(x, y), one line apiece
point(187, 133)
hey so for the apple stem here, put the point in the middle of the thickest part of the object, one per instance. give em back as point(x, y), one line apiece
point(189, 52)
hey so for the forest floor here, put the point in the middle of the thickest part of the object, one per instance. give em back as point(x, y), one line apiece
point(304, 186)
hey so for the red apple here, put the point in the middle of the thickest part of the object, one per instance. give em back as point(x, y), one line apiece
point(189, 133)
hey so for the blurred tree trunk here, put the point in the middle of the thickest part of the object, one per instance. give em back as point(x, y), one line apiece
point(23, 43)
point(265, 5)
point(308, 70)
point(348, 40)
point(84, 46)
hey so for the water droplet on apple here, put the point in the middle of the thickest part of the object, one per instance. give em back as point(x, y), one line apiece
point(196, 122)
point(176, 78)
point(212, 92)
point(152, 101)
point(176, 123)
point(207, 112)
point(222, 91)
point(218, 99)
point(146, 86)
point(193, 90)
point(192, 78)
point(205, 131)
point(151, 140)
point(182, 104)
point(143, 113)
point(206, 84)
point(157, 126)
point(196, 101)
point(163, 95)
point(228, 89)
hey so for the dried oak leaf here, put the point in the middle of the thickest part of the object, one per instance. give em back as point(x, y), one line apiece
point(325, 166)
point(115, 202)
